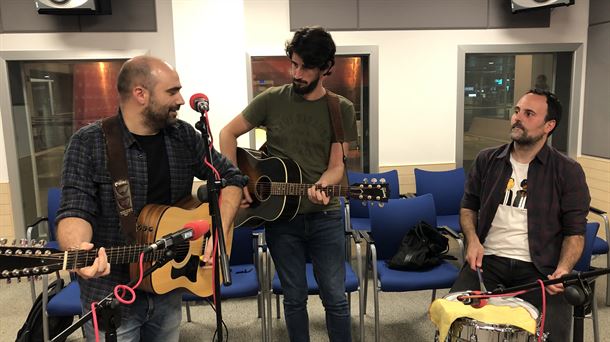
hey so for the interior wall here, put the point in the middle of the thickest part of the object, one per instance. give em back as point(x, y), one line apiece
point(417, 68)
point(160, 43)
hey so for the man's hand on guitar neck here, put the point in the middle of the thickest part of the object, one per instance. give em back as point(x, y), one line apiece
point(100, 266)
point(317, 195)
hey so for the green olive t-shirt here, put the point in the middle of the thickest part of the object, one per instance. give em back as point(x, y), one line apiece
point(300, 130)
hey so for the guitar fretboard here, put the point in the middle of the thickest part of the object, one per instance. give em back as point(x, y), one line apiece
point(116, 255)
point(298, 189)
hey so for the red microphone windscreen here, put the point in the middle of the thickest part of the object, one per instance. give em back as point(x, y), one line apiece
point(200, 228)
point(197, 97)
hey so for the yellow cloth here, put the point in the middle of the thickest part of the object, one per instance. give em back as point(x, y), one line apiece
point(443, 312)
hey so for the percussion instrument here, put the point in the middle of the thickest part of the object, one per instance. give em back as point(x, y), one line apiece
point(506, 319)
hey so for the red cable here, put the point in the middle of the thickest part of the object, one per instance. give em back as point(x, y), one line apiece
point(543, 315)
point(119, 297)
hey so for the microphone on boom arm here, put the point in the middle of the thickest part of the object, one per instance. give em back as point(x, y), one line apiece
point(200, 103)
point(191, 231)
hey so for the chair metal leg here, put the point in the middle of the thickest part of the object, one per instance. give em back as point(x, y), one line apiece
point(187, 306)
point(45, 300)
point(360, 292)
point(268, 294)
point(594, 313)
point(375, 292)
point(365, 276)
point(33, 288)
point(277, 305)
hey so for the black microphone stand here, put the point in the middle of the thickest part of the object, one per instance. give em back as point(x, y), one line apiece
point(578, 281)
point(107, 307)
point(214, 186)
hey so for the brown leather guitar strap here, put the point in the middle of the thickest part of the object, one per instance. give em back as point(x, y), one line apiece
point(116, 162)
point(335, 118)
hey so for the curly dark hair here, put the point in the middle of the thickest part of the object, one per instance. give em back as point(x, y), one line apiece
point(554, 109)
point(315, 46)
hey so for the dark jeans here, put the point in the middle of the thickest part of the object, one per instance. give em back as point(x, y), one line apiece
point(320, 236)
point(151, 318)
point(506, 272)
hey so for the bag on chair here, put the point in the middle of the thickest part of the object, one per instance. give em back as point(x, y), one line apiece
point(32, 328)
point(422, 247)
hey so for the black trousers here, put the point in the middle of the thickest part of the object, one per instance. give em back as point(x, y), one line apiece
point(506, 272)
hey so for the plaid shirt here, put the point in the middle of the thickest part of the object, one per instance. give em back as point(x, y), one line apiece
point(87, 186)
point(558, 199)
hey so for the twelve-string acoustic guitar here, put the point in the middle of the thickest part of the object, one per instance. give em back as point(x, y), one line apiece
point(155, 221)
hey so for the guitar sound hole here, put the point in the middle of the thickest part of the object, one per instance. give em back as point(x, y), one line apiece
point(263, 188)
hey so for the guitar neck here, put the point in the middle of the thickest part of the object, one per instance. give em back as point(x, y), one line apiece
point(300, 189)
point(75, 259)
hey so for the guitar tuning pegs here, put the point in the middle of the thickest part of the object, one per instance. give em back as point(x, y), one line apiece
point(382, 181)
point(365, 181)
point(374, 180)
point(41, 243)
point(3, 241)
point(381, 204)
point(23, 242)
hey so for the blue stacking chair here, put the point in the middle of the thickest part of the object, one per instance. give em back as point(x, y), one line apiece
point(246, 256)
point(388, 226)
point(353, 277)
point(359, 211)
point(600, 246)
point(67, 301)
point(447, 189)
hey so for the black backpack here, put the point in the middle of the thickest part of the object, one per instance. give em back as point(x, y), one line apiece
point(422, 247)
point(31, 330)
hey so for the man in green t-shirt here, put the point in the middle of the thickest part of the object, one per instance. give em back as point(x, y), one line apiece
point(299, 127)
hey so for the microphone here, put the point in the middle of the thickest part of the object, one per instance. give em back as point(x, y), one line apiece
point(191, 231)
point(200, 103)
point(476, 303)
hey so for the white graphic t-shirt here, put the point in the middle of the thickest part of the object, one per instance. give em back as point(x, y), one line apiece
point(507, 236)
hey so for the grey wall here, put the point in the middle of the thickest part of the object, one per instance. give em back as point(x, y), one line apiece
point(412, 14)
point(596, 119)
point(21, 16)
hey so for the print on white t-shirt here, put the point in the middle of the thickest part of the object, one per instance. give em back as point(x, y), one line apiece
point(507, 236)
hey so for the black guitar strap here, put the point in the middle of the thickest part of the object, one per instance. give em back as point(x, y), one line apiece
point(116, 161)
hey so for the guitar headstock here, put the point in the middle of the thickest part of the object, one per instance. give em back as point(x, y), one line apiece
point(370, 191)
point(27, 261)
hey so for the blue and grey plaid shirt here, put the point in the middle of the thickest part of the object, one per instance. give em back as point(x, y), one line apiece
point(87, 186)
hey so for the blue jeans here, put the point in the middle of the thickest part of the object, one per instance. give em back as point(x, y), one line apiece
point(321, 237)
point(150, 318)
point(506, 272)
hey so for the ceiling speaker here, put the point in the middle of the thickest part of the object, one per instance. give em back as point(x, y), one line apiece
point(73, 7)
point(522, 5)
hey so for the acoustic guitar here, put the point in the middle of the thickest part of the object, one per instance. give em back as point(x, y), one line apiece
point(155, 221)
point(275, 185)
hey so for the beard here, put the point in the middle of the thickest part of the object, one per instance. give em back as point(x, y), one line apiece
point(158, 117)
point(302, 88)
point(524, 138)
